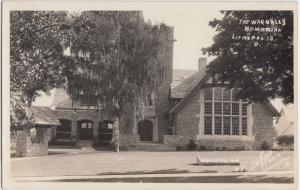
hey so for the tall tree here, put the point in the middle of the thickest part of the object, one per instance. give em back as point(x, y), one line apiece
point(254, 51)
point(36, 51)
point(113, 58)
point(36, 54)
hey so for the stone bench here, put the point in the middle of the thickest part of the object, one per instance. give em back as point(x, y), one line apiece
point(217, 160)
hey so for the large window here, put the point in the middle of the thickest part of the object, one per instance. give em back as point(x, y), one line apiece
point(224, 113)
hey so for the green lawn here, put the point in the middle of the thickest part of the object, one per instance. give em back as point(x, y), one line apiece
point(111, 163)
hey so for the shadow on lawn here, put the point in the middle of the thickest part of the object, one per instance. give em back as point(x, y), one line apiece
point(167, 171)
point(194, 179)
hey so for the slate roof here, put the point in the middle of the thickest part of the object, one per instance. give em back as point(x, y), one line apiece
point(43, 116)
point(184, 81)
point(61, 98)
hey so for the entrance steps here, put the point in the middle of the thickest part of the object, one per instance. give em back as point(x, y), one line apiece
point(86, 146)
point(152, 147)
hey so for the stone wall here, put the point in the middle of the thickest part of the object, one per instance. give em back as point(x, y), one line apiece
point(187, 124)
point(188, 118)
point(26, 147)
point(176, 140)
point(161, 100)
point(125, 123)
point(262, 125)
point(128, 141)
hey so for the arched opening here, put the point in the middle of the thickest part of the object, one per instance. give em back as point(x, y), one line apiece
point(64, 130)
point(85, 129)
point(105, 132)
point(145, 130)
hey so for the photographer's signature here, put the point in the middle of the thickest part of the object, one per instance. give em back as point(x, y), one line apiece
point(267, 161)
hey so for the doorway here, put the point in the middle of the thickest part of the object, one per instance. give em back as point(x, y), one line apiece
point(145, 130)
point(85, 129)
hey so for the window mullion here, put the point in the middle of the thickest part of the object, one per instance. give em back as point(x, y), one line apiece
point(213, 112)
point(222, 114)
point(240, 117)
point(230, 111)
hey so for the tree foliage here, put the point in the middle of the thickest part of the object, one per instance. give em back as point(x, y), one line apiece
point(113, 58)
point(36, 53)
point(262, 69)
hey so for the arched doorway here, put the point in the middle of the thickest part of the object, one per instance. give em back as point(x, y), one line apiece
point(145, 130)
point(64, 130)
point(85, 129)
point(105, 132)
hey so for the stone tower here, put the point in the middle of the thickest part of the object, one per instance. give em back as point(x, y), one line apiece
point(161, 101)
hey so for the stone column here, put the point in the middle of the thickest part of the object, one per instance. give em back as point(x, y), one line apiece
point(74, 133)
point(201, 114)
point(250, 121)
point(96, 130)
point(21, 143)
point(155, 129)
point(135, 122)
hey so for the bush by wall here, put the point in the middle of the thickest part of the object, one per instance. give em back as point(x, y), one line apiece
point(285, 141)
point(265, 146)
point(192, 145)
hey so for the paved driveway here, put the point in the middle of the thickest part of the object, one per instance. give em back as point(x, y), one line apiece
point(104, 163)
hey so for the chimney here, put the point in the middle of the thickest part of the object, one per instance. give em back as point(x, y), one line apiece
point(202, 62)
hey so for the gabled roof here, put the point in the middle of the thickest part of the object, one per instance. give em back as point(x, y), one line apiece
point(188, 86)
point(183, 86)
point(61, 98)
point(43, 116)
point(184, 81)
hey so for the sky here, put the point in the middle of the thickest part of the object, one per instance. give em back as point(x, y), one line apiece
point(191, 32)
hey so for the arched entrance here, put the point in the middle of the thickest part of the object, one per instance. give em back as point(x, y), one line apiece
point(105, 132)
point(145, 130)
point(85, 129)
point(64, 130)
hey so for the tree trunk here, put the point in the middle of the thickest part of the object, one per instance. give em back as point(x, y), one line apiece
point(116, 134)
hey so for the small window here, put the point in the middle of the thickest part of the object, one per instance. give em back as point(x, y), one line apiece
point(208, 108)
point(226, 95)
point(208, 94)
point(226, 125)
point(234, 95)
point(208, 125)
point(244, 126)
point(244, 109)
point(226, 108)
point(235, 109)
point(88, 100)
point(218, 125)
point(218, 94)
point(218, 108)
point(235, 126)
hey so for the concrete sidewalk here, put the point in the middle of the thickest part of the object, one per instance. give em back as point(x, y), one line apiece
point(239, 177)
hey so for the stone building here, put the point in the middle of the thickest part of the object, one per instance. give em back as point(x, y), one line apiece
point(213, 117)
point(188, 105)
point(84, 124)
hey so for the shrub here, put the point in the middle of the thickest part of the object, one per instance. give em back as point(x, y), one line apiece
point(265, 146)
point(179, 148)
point(192, 145)
point(240, 148)
point(124, 148)
point(287, 140)
point(202, 147)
